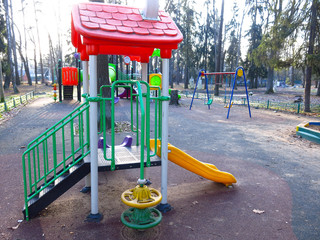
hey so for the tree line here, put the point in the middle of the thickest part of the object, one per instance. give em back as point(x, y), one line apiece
point(282, 42)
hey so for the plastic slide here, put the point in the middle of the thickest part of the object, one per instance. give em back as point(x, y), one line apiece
point(112, 72)
point(206, 170)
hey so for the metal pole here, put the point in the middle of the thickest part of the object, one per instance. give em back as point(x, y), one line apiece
point(164, 136)
point(60, 79)
point(144, 78)
point(207, 91)
point(94, 216)
point(195, 88)
point(87, 179)
point(79, 80)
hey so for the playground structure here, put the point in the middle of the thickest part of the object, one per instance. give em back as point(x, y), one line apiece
point(238, 73)
point(68, 77)
point(69, 151)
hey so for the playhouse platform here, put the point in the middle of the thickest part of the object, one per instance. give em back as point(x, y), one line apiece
point(125, 158)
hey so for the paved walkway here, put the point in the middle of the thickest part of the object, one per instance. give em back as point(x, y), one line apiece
point(277, 174)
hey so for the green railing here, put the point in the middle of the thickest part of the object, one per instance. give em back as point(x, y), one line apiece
point(54, 152)
point(12, 102)
point(140, 117)
point(263, 104)
point(65, 144)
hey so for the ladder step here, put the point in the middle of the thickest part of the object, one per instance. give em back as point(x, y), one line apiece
point(44, 191)
point(33, 200)
point(53, 191)
point(60, 179)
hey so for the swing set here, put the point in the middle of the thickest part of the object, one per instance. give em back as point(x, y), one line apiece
point(203, 73)
point(208, 101)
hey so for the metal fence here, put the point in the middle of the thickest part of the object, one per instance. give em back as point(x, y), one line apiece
point(12, 102)
point(263, 104)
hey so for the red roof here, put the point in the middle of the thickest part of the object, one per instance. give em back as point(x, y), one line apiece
point(121, 30)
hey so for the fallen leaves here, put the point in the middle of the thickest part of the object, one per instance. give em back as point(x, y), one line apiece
point(16, 227)
point(257, 211)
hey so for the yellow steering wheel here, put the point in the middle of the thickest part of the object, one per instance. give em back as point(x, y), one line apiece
point(141, 197)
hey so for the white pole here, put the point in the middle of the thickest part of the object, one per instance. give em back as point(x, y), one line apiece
point(144, 72)
point(151, 8)
point(87, 182)
point(93, 136)
point(164, 136)
point(144, 77)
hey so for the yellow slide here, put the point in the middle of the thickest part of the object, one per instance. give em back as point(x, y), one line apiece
point(206, 170)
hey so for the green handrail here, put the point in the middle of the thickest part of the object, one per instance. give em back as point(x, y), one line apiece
point(144, 139)
point(39, 169)
point(38, 175)
point(143, 119)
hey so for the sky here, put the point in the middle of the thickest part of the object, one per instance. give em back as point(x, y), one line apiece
point(55, 16)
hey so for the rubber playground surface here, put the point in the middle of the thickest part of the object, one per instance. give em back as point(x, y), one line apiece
point(276, 195)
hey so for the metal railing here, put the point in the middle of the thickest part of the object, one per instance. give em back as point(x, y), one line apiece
point(65, 144)
point(263, 104)
point(54, 152)
point(140, 117)
point(12, 102)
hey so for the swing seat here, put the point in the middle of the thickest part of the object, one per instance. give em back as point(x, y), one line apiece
point(227, 106)
point(209, 102)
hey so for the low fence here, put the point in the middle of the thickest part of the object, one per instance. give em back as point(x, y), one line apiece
point(12, 102)
point(263, 104)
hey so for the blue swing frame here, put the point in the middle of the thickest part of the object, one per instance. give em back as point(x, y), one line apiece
point(210, 100)
point(233, 86)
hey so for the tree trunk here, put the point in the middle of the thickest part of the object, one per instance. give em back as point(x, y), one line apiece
point(255, 85)
point(171, 63)
point(53, 58)
point(304, 77)
point(218, 63)
point(318, 90)
point(187, 60)
point(14, 50)
point(1, 85)
point(35, 66)
point(313, 26)
point(239, 42)
point(270, 80)
point(174, 98)
point(178, 75)
point(26, 67)
point(206, 41)
point(292, 76)
point(39, 44)
point(103, 79)
point(9, 48)
point(251, 83)
point(26, 64)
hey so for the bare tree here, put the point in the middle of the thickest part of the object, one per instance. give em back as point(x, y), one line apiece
point(52, 57)
point(38, 35)
point(1, 85)
point(9, 49)
point(23, 58)
point(312, 36)
point(14, 49)
point(26, 60)
point(31, 36)
point(219, 50)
